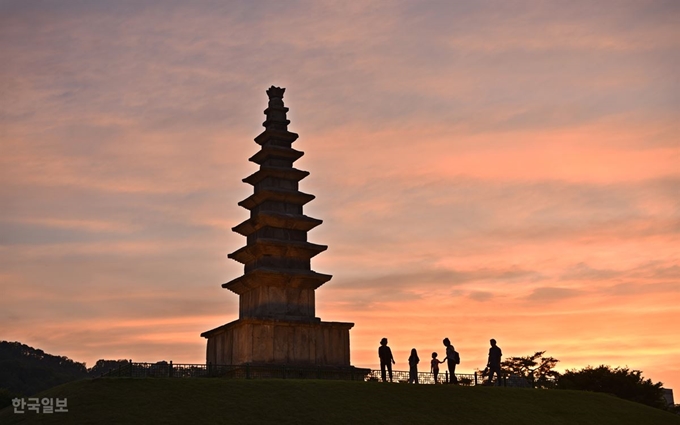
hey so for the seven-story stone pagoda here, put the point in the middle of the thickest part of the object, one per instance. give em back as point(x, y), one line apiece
point(277, 323)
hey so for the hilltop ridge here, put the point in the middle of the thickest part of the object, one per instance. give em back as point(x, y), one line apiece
point(215, 400)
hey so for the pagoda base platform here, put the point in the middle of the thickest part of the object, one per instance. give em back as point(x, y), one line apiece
point(279, 342)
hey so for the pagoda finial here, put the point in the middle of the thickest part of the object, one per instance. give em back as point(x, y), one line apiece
point(275, 92)
point(276, 112)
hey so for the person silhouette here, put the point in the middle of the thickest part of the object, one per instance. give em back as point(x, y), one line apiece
point(434, 367)
point(386, 359)
point(452, 359)
point(413, 361)
point(494, 363)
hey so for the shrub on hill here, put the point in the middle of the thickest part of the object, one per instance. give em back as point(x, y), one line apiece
point(622, 382)
point(104, 366)
point(536, 369)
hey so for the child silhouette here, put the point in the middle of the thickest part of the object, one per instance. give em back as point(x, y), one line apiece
point(413, 361)
point(435, 367)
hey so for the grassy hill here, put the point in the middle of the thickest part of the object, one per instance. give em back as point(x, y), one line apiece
point(213, 401)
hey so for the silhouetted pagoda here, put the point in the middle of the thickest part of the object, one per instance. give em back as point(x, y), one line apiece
point(277, 323)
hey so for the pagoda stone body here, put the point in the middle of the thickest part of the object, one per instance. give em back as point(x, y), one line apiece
point(277, 323)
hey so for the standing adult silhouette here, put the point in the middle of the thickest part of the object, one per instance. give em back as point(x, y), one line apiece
point(386, 359)
point(452, 359)
point(494, 363)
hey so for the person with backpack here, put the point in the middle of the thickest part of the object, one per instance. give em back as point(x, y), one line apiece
point(452, 358)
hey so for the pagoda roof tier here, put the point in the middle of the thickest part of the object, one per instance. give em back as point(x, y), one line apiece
point(271, 133)
point(276, 248)
point(277, 277)
point(282, 195)
point(283, 221)
point(277, 152)
point(278, 172)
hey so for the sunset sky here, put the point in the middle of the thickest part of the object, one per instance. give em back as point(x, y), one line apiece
point(505, 169)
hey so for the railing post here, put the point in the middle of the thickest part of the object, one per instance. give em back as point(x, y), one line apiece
point(247, 370)
point(170, 369)
point(475, 379)
point(446, 377)
point(130, 368)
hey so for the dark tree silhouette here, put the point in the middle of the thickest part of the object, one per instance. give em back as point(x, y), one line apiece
point(26, 370)
point(536, 369)
point(621, 381)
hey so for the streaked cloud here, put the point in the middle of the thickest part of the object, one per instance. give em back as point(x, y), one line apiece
point(548, 294)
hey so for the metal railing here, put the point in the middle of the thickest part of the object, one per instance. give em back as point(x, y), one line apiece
point(247, 371)
point(465, 379)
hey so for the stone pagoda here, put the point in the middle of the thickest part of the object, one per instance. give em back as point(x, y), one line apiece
point(277, 323)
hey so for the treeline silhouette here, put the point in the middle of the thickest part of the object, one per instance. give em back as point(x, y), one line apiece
point(621, 381)
point(25, 370)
